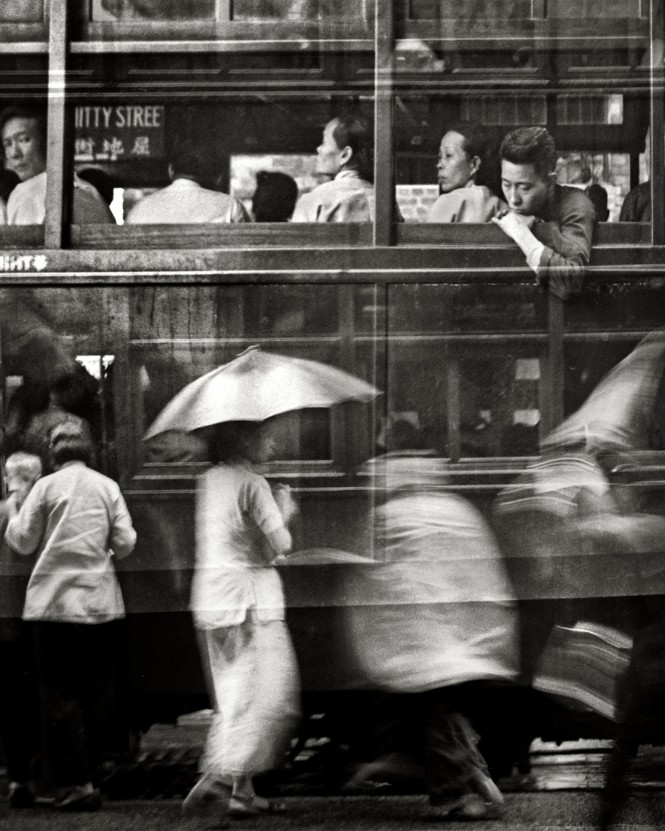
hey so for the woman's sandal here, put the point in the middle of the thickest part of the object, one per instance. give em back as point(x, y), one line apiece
point(253, 806)
point(469, 806)
point(207, 803)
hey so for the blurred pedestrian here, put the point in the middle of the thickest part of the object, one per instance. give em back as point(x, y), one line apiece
point(76, 522)
point(275, 196)
point(238, 607)
point(439, 621)
point(19, 700)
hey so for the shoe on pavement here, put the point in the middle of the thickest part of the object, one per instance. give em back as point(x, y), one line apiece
point(469, 806)
point(487, 788)
point(20, 795)
point(207, 802)
point(79, 798)
point(241, 807)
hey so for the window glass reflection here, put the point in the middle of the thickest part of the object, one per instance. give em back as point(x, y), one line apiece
point(466, 309)
point(22, 11)
point(291, 311)
point(122, 10)
point(200, 161)
point(467, 405)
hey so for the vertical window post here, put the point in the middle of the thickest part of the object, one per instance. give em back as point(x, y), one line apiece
point(55, 127)
point(383, 124)
point(657, 133)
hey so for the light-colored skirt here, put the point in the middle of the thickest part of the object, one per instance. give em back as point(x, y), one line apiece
point(256, 686)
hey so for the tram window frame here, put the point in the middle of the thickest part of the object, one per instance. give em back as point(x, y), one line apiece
point(219, 26)
point(383, 232)
point(350, 423)
point(26, 32)
point(231, 88)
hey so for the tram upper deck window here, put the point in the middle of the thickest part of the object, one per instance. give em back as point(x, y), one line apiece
point(23, 137)
point(241, 18)
point(152, 9)
point(22, 11)
point(177, 163)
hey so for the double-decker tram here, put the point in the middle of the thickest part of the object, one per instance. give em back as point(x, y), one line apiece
point(444, 319)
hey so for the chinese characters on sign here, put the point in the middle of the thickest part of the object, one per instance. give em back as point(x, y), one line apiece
point(112, 134)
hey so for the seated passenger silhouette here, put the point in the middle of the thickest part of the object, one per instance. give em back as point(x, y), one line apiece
point(275, 196)
point(8, 181)
point(552, 224)
point(185, 200)
point(23, 131)
point(464, 175)
point(578, 166)
point(637, 205)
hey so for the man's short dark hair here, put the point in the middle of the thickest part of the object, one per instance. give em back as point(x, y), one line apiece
point(188, 161)
point(37, 114)
point(275, 196)
point(354, 131)
point(530, 145)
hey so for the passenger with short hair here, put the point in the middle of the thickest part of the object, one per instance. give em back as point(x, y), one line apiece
point(23, 133)
point(636, 206)
point(464, 159)
point(552, 224)
point(275, 196)
point(345, 156)
point(76, 522)
point(19, 700)
point(185, 200)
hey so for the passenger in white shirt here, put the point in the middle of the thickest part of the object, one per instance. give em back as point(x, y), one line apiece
point(344, 155)
point(77, 524)
point(185, 200)
point(23, 132)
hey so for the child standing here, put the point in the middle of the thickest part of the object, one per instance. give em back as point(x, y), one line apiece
point(18, 688)
point(76, 521)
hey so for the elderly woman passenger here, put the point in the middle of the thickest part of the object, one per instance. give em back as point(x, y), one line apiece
point(464, 164)
point(344, 156)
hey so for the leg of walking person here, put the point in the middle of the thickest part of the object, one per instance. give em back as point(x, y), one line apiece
point(97, 690)
point(457, 775)
point(60, 661)
point(19, 712)
point(256, 691)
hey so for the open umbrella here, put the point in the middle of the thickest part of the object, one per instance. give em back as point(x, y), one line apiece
point(258, 385)
point(618, 414)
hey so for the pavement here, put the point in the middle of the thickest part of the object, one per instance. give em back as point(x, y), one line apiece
point(560, 792)
point(522, 812)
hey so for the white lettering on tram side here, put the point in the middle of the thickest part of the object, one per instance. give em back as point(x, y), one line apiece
point(23, 262)
point(86, 117)
point(131, 115)
point(139, 116)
